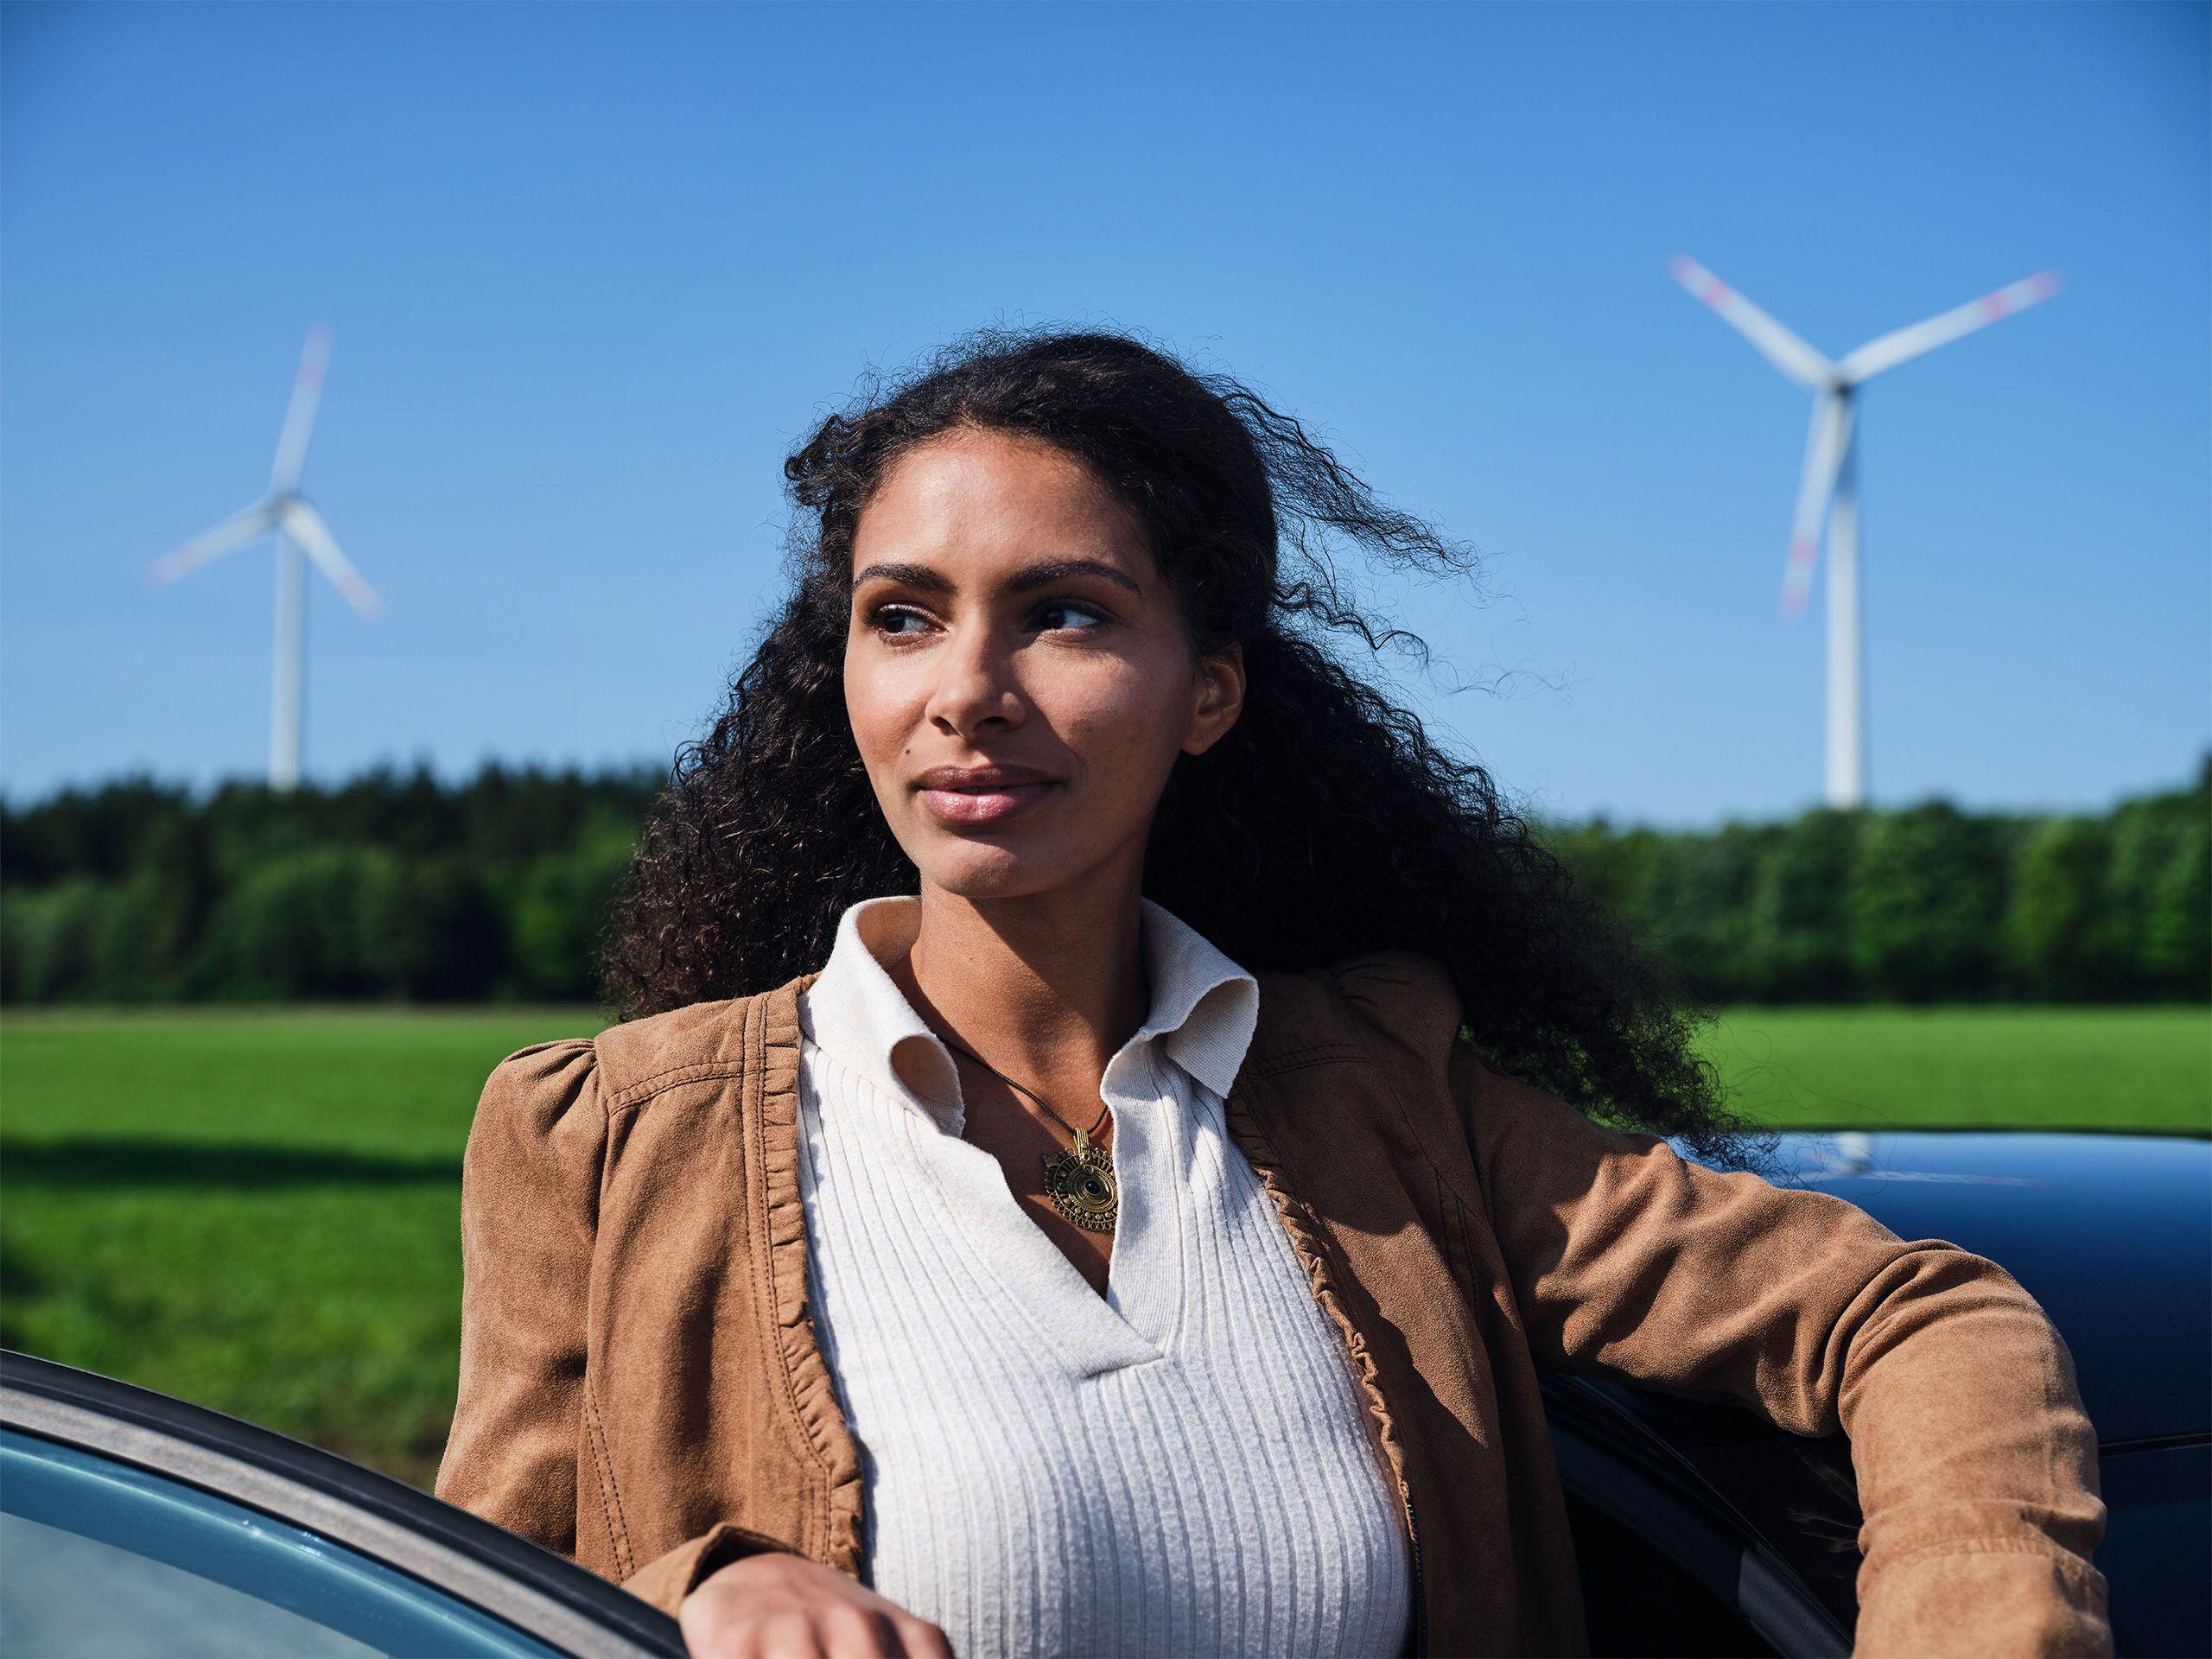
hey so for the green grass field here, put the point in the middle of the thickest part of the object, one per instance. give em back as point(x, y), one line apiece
point(256, 1210)
point(2064, 1068)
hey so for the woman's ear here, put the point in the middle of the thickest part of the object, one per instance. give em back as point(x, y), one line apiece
point(1220, 697)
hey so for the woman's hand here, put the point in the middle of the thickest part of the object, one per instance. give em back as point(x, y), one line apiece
point(780, 1605)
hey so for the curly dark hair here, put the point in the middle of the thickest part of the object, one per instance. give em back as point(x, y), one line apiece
point(1325, 823)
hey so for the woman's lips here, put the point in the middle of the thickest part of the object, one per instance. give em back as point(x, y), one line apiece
point(992, 804)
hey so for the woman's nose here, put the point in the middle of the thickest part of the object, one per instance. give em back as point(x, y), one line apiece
point(975, 685)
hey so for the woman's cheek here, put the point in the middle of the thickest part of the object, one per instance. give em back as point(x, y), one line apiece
point(877, 708)
point(1125, 745)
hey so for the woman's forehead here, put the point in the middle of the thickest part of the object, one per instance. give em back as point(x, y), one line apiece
point(980, 499)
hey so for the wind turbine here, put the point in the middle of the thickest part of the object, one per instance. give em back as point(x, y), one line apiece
point(1827, 495)
point(299, 531)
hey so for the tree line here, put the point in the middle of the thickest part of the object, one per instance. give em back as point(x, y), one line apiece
point(400, 885)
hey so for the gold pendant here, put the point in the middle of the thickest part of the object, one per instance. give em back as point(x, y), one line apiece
point(1081, 1185)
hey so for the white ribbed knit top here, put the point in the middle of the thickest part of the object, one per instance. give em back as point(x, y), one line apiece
point(1186, 1466)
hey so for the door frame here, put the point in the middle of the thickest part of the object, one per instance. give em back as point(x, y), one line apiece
point(496, 1571)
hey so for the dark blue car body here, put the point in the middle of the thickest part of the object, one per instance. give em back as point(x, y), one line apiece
point(2111, 1233)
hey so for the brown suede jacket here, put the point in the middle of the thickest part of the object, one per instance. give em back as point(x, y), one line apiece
point(641, 1390)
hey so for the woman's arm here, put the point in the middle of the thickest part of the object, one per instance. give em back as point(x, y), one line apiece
point(1975, 1462)
point(529, 1212)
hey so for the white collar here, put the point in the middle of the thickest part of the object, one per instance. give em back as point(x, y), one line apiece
point(1205, 1007)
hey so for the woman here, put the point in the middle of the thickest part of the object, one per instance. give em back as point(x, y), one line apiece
point(1105, 1140)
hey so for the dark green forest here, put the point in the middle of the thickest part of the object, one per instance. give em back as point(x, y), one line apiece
point(399, 886)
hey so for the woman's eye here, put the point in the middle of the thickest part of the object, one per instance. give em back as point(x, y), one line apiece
point(891, 619)
point(1065, 613)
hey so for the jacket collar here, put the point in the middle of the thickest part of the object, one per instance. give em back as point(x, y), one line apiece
point(1205, 1007)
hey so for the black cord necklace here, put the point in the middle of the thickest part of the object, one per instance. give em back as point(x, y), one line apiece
point(1080, 1182)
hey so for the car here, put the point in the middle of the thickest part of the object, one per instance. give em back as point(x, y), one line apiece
point(1747, 1536)
point(134, 1523)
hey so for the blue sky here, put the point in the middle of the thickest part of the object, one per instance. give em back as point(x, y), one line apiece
point(592, 270)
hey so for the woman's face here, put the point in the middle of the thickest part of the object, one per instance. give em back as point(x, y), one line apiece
point(1017, 672)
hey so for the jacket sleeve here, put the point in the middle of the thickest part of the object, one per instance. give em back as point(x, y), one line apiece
point(529, 1210)
point(1975, 1463)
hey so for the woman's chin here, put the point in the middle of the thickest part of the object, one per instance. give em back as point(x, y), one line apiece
point(1009, 878)
point(980, 870)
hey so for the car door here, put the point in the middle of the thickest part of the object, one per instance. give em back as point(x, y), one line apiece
point(1669, 1566)
point(133, 1523)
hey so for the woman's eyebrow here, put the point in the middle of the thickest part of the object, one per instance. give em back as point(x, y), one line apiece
point(1042, 574)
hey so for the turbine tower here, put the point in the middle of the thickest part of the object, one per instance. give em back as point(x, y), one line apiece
point(1827, 494)
point(300, 532)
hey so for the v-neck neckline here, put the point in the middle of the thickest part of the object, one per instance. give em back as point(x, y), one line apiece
point(1136, 1320)
point(764, 1051)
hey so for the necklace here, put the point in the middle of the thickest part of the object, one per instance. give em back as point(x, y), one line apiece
point(1079, 1182)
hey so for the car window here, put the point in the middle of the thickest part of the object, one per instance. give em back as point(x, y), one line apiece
point(101, 1558)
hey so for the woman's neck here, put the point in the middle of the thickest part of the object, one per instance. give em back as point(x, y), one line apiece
point(1046, 989)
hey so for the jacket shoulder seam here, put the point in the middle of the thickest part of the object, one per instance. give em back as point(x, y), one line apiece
point(717, 1051)
point(637, 1093)
point(1298, 1059)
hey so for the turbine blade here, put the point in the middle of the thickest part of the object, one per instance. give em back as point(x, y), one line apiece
point(304, 525)
point(299, 417)
point(233, 532)
point(1825, 443)
point(1905, 344)
point(1775, 343)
